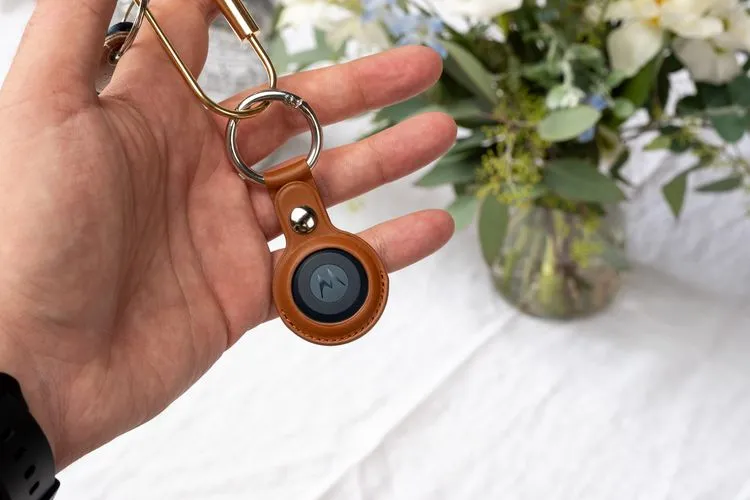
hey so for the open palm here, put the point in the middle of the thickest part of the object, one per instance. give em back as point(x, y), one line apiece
point(132, 254)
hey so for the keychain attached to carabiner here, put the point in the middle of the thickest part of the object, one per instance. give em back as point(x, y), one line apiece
point(119, 39)
point(330, 287)
point(121, 36)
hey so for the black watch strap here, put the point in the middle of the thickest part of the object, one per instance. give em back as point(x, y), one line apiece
point(27, 467)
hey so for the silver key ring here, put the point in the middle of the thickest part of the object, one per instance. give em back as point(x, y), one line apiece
point(137, 23)
point(291, 100)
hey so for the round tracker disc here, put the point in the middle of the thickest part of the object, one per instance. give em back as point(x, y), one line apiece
point(330, 286)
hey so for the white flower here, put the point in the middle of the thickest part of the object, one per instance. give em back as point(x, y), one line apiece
point(645, 23)
point(369, 35)
point(339, 24)
point(476, 9)
point(706, 63)
point(309, 12)
point(736, 35)
point(714, 60)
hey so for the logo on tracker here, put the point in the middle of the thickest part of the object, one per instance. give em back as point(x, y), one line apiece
point(330, 286)
point(329, 283)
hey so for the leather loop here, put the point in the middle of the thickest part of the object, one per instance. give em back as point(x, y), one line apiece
point(292, 187)
point(107, 63)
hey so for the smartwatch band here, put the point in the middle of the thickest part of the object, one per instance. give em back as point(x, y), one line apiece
point(27, 466)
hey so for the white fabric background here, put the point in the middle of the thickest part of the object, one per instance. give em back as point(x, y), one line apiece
point(455, 396)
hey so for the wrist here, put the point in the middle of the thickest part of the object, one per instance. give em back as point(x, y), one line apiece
point(17, 362)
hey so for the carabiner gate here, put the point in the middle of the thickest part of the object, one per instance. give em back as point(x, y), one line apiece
point(245, 27)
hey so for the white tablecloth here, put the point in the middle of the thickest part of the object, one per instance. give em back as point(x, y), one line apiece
point(455, 396)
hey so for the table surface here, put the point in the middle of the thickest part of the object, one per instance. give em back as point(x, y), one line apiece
point(455, 395)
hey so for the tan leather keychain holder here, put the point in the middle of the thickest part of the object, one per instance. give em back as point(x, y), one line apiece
point(330, 287)
point(293, 188)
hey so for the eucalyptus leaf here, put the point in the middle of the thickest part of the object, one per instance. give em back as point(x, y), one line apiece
point(660, 98)
point(467, 69)
point(584, 52)
point(660, 142)
point(615, 79)
point(620, 163)
point(623, 108)
point(731, 183)
point(730, 126)
point(468, 114)
point(463, 210)
point(564, 96)
point(681, 144)
point(674, 193)
point(546, 74)
point(739, 89)
point(690, 105)
point(474, 142)
point(579, 180)
point(457, 169)
point(638, 88)
point(714, 96)
point(401, 111)
point(493, 227)
point(566, 124)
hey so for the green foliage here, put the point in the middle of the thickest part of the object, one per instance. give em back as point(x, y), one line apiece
point(567, 124)
point(640, 87)
point(544, 108)
point(465, 112)
point(321, 52)
point(616, 170)
point(674, 193)
point(731, 183)
point(493, 227)
point(457, 167)
point(463, 210)
point(623, 108)
point(578, 180)
point(730, 126)
point(468, 70)
point(660, 142)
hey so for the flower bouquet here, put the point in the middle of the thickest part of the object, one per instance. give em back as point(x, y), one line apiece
point(550, 97)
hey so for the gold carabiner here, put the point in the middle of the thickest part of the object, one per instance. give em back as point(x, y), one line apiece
point(245, 28)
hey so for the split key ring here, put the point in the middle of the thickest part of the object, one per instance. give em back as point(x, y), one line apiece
point(292, 101)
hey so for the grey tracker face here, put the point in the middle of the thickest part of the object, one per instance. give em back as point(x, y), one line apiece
point(329, 283)
point(330, 286)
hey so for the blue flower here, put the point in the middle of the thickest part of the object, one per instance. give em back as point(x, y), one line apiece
point(374, 10)
point(418, 29)
point(597, 102)
point(587, 136)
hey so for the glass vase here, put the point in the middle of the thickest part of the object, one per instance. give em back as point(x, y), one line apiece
point(561, 264)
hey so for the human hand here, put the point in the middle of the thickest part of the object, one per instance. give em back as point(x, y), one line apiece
point(132, 254)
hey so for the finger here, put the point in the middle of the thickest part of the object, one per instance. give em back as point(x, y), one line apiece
point(62, 46)
point(147, 66)
point(339, 92)
point(349, 171)
point(404, 241)
point(409, 239)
